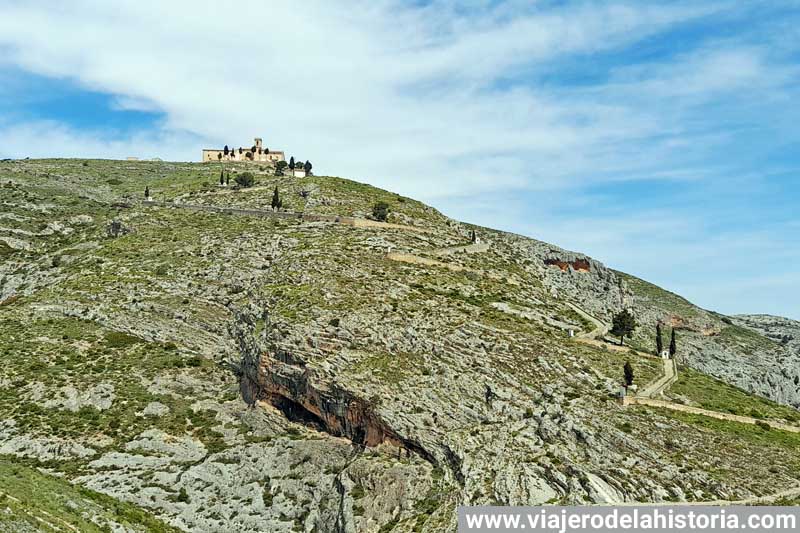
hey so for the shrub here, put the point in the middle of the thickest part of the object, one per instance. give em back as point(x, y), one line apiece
point(245, 179)
point(117, 339)
point(763, 425)
point(380, 211)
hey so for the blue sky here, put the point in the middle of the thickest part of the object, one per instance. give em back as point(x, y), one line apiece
point(659, 137)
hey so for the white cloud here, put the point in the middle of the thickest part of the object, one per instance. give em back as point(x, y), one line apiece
point(377, 90)
point(441, 102)
point(51, 139)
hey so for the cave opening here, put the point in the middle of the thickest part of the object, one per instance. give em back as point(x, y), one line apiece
point(297, 413)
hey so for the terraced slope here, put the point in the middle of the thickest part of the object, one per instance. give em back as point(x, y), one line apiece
point(232, 372)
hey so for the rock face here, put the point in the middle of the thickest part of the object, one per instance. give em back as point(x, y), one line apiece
point(784, 331)
point(230, 372)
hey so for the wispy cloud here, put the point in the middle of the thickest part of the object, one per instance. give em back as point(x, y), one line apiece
point(452, 102)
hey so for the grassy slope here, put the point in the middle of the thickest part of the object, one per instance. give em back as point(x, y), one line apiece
point(31, 499)
point(717, 395)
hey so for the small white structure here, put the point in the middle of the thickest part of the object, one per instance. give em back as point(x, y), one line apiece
point(298, 172)
point(664, 354)
point(571, 333)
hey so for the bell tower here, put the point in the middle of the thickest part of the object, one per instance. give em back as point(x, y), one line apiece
point(258, 142)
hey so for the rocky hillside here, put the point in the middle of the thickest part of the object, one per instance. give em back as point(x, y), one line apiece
point(780, 330)
point(200, 363)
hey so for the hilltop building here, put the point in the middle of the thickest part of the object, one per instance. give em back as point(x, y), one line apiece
point(256, 153)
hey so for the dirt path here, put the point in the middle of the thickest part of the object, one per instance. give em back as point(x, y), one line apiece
point(663, 383)
point(288, 215)
point(419, 260)
point(755, 500)
point(599, 330)
point(641, 400)
point(470, 249)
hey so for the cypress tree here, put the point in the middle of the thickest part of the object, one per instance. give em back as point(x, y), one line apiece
point(291, 163)
point(222, 177)
point(225, 150)
point(628, 371)
point(673, 346)
point(276, 199)
point(146, 191)
point(659, 342)
point(307, 167)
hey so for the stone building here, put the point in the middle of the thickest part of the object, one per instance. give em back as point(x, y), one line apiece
point(256, 153)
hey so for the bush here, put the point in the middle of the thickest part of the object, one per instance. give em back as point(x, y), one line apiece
point(117, 339)
point(245, 179)
point(380, 211)
point(183, 496)
point(763, 425)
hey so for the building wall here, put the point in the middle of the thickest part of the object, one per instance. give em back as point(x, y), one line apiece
point(213, 156)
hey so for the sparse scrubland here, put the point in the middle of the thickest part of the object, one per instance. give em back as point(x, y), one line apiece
point(206, 371)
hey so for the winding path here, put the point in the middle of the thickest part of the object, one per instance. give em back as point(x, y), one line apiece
point(660, 385)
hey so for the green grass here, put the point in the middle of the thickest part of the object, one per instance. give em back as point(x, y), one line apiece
point(744, 340)
point(741, 432)
point(609, 363)
point(30, 494)
point(661, 298)
point(716, 395)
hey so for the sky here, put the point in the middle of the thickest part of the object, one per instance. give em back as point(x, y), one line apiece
point(660, 138)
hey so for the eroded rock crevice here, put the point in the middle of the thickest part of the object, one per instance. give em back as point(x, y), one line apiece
point(284, 380)
point(578, 265)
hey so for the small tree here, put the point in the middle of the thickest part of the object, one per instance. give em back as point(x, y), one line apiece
point(245, 179)
point(659, 342)
point(276, 199)
point(222, 177)
point(673, 346)
point(623, 325)
point(225, 150)
point(228, 178)
point(291, 163)
point(380, 211)
point(219, 156)
point(628, 372)
point(307, 167)
point(146, 192)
